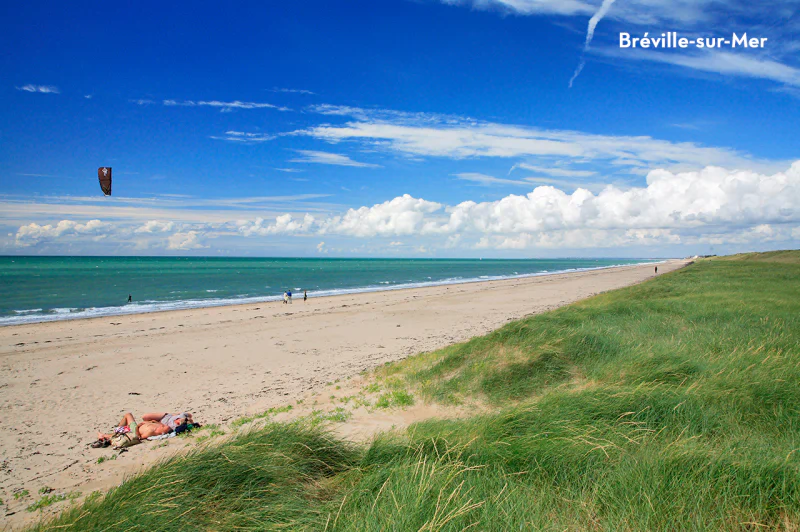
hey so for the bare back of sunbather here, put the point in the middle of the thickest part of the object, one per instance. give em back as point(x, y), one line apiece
point(152, 428)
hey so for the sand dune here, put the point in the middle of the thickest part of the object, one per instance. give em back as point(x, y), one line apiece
point(62, 381)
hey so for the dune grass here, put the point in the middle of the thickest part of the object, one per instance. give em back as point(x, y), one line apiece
point(671, 405)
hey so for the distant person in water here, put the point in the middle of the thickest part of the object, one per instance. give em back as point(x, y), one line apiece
point(305, 295)
point(130, 299)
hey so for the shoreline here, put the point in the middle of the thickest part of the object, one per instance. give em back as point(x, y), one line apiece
point(64, 380)
point(189, 304)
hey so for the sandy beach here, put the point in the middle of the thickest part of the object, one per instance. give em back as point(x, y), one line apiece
point(60, 382)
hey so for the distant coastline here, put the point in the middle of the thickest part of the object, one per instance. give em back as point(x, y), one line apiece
point(39, 313)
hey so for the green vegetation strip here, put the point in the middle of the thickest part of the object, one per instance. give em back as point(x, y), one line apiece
point(671, 405)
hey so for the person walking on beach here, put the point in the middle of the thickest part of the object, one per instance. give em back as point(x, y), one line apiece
point(285, 297)
point(656, 270)
point(290, 296)
point(305, 296)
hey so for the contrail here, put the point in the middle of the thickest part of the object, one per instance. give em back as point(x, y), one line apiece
point(590, 35)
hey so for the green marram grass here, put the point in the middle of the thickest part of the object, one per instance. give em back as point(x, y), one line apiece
point(670, 405)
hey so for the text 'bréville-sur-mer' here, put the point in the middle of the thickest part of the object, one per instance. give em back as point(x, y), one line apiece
point(671, 40)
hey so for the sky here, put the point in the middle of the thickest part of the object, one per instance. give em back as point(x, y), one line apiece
point(398, 128)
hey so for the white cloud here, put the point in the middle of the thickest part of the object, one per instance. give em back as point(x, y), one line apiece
point(558, 172)
point(284, 224)
point(643, 12)
point(186, 241)
point(707, 207)
point(672, 207)
point(403, 215)
point(773, 20)
point(720, 62)
point(531, 7)
point(245, 138)
point(400, 216)
point(409, 134)
point(155, 226)
point(484, 179)
point(293, 91)
point(33, 233)
point(44, 89)
point(322, 157)
point(596, 18)
point(713, 196)
point(142, 101)
point(224, 106)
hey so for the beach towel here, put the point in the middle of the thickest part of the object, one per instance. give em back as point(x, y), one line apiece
point(162, 437)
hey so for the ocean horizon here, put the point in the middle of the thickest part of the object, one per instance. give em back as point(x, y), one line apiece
point(38, 289)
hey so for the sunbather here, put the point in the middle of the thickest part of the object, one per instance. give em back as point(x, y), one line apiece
point(173, 421)
point(139, 431)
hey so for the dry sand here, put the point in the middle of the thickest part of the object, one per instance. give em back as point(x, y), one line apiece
point(62, 381)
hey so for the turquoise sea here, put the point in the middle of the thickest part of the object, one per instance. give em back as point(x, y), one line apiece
point(51, 288)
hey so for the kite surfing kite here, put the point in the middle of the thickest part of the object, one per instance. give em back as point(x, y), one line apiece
point(104, 175)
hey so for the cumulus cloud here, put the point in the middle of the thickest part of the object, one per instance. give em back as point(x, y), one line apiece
point(44, 89)
point(712, 196)
point(33, 233)
point(156, 226)
point(154, 234)
point(284, 224)
point(403, 215)
point(185, 241)
point(672, 207)
point(711, 206)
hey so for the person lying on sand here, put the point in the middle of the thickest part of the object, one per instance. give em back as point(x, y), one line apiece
point(154, 424)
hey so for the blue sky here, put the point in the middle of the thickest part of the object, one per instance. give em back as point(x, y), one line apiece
point(397, 128)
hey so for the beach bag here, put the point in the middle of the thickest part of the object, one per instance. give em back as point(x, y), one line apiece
point(123, 440)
